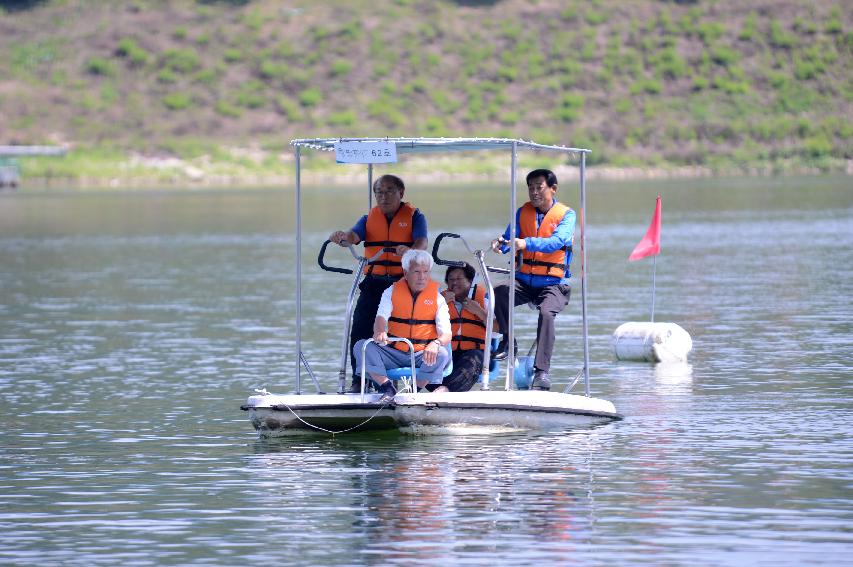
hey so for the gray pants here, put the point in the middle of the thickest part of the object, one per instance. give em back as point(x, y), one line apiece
point(380, 358)
point(550, 300)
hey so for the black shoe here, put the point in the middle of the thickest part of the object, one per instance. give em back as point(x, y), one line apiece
point(502, 353)
point(541, 381)
point(388, 392)
point(355, 387)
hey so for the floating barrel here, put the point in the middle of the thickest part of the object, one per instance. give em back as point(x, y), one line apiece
point(651, 342)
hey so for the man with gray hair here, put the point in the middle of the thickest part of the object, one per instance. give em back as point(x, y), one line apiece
point(414, 309)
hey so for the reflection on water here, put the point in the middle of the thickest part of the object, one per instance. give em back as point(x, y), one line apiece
point(429, 500)
point(674, 378)
point(133, 326)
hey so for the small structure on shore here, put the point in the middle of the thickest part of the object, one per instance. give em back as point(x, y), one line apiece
point(10, 172)
point(10, 169)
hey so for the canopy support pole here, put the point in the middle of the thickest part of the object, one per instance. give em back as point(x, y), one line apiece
point(369, 187)
point(654, 273)
point(298, 213)
point(509, 334)
point(583, 274)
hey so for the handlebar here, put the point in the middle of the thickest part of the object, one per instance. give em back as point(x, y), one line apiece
point(456, 263)
point(498, 270)
point(437, 244)
point(327, 267)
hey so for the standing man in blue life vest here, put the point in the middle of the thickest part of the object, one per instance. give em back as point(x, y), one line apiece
point(544, 232)
point(392, 223)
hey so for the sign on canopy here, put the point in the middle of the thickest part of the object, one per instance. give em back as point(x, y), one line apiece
point(366, 152)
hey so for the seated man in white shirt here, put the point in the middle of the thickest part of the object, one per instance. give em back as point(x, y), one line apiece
point(414, 309)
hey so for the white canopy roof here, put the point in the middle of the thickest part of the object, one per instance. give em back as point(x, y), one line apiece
point(424, 145)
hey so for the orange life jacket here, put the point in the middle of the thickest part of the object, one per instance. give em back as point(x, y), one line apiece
point(554, 263)
point(472, 333)
point(379, 233)
point(413, 317)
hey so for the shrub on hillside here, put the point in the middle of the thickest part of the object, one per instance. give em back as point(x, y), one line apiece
point(340, 119)
point(135, 55)
point(310, 97)
point(779, 37)
point(595, 18)
point(817, 146)
point(100, 66)
point(225, 108)
point(181, 60)
point(669, 64)
point(251, 95)
point(435, 126)
point(167, 77)
point(341, 67)
point(724, 55)
point(649, 86)
point(232, 55)
point(748, 31)
point(384, 110)
point(570, 107)
point(269, 69)
point(833, 24)
point(288, 108)
point(710, 31)
point(178, 100)
point(730, 85)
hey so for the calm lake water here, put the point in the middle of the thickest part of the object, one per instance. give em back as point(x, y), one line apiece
point(133, 325)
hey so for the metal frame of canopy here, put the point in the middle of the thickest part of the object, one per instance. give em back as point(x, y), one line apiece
point(25, 151)
point(429, 145)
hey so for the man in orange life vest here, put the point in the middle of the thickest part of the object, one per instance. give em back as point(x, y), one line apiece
point(544, 232)
point(468, 313)
point(412, 308)
point(392, 223)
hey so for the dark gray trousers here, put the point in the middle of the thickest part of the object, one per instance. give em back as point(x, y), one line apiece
point(549, 300)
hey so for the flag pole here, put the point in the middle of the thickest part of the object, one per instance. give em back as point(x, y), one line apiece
point(650, 246)
point(654, 273)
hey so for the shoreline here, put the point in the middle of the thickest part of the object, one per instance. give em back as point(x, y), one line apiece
point(564, 173)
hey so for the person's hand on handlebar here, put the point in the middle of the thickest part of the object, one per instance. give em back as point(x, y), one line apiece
point(340, 237)
point(381, 338)
point(520, 244)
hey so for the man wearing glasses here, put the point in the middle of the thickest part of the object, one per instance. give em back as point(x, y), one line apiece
point(394, 226)
point(544, 232)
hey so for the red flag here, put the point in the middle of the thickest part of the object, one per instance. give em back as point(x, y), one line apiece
point(650, 244)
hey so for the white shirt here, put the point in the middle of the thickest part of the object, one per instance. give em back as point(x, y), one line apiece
point(442, 315)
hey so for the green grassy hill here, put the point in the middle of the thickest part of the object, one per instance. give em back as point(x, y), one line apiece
point(222, 85)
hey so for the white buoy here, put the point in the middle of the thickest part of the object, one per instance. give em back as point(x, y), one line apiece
point(651, 342)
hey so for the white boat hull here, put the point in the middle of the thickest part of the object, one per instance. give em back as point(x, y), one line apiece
point(437, 413)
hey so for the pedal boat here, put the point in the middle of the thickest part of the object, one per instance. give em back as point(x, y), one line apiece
point(481, 410)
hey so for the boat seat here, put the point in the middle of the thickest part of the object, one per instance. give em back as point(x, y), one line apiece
point(404, 373)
